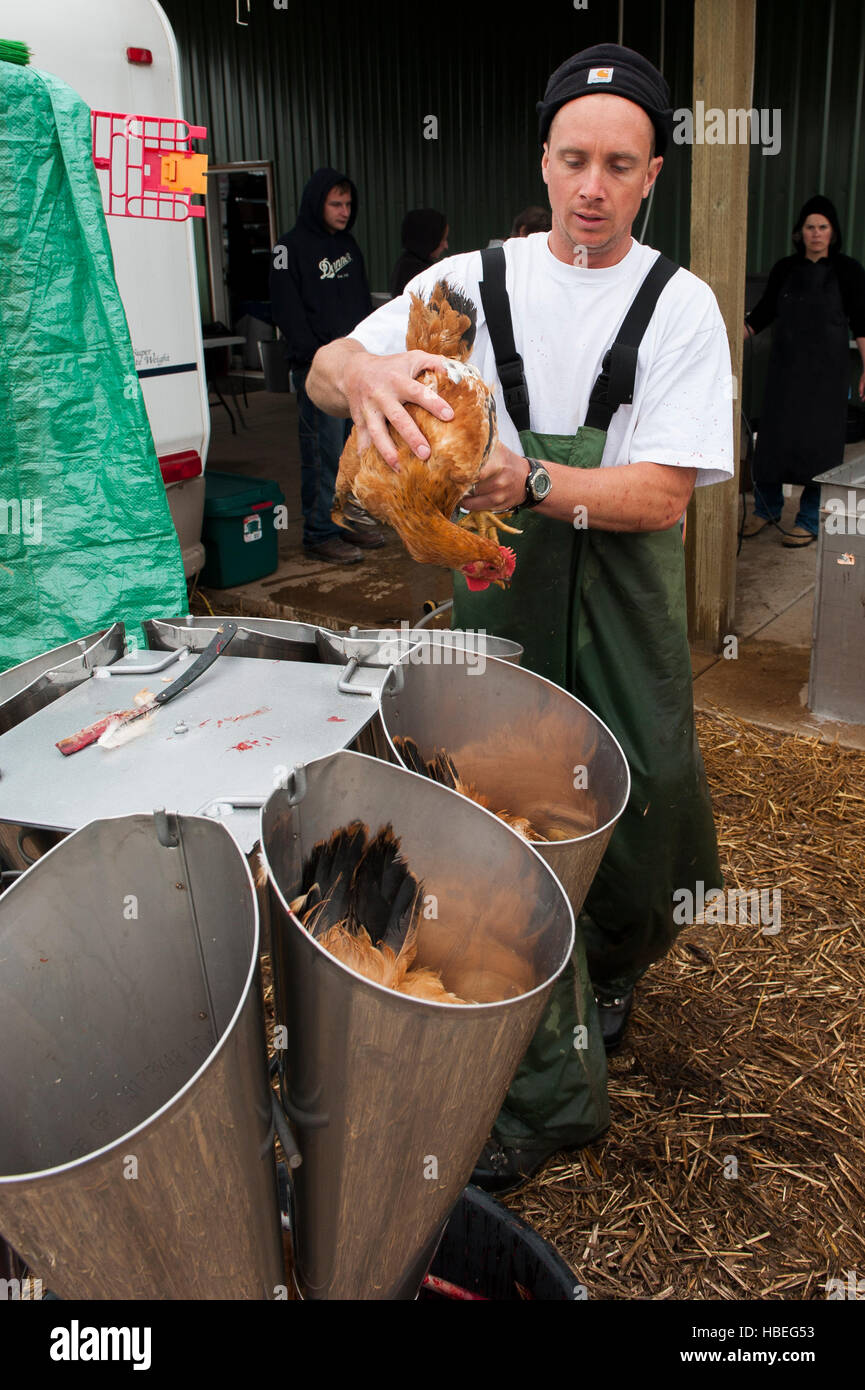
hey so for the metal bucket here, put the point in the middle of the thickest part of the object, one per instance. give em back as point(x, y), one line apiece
point(136, 1145)
point(528, 745)
point(391, 1097)
point(33, 684)
point(421, 646)
point(274, 639)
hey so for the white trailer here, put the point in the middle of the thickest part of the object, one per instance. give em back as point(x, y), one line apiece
point(121, 55)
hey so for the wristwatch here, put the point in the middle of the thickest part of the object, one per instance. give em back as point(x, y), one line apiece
point(538, 484)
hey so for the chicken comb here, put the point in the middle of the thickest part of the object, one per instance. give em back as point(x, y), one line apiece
point(475, 583)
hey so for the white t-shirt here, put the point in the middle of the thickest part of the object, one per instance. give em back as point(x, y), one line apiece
point(565, 318)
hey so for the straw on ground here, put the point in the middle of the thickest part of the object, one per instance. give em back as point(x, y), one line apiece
point(734, 1167)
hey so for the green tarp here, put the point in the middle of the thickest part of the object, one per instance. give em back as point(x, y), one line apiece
point(86, 536)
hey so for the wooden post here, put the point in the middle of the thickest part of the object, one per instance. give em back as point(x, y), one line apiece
point(723, 79)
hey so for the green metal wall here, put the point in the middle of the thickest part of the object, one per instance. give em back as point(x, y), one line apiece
point(810, 61)
point(350, 84)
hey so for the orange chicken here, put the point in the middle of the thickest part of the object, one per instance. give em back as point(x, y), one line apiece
point(441, 768)
point(421, 499)
point(362, 904)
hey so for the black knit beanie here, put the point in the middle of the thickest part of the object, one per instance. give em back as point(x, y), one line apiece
point(619, 71)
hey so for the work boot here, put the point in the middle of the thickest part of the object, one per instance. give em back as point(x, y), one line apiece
point(798, 536)
point(500, 1169)
point(372, 539)
point(614, 1014)
point(336, 551)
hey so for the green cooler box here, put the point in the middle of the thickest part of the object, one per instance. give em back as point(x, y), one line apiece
point(239, 533)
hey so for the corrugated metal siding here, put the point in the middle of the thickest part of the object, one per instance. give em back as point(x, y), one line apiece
point(349, 85)
point(809, 64)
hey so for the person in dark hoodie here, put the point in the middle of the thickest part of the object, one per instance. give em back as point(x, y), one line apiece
point(319, 291)
point(812, 297)
point(424, 238)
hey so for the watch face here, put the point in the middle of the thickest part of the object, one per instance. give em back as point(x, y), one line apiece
point(541, 484)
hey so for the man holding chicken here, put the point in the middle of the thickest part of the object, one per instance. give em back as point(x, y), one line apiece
point(611, 365)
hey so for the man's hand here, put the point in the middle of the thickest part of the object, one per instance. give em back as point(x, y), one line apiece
point(377, 389)
point(501, 485)
point(374, 391)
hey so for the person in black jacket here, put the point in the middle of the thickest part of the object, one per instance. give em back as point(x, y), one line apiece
point(815, 298)
point(424, 237)
point(319, 291)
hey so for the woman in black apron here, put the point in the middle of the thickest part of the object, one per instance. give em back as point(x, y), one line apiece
point(814, 299)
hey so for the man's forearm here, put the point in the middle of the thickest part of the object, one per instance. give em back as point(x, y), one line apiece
point(633, 497)
point(324, 384)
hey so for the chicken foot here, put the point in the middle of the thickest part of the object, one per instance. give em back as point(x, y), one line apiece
point(488, 524)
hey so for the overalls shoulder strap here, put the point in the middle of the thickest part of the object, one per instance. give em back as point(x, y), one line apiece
point(497, 308)
point(615, 384)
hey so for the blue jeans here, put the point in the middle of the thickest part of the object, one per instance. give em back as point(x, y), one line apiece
point(322, 439)
point(769, 503)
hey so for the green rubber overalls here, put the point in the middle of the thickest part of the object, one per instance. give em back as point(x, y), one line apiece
point(603, 614)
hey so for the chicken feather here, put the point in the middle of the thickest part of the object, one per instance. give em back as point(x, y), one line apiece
point(441, 768)
point(363, 905)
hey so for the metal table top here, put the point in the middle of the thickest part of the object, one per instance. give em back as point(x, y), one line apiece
point(248, 722)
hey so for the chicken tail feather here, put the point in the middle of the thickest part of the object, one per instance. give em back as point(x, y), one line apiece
point(443, 769)
point(385, 895)
point(327, 876)
point(363, 887)
point(440, 768)
point(411, 755)
point(446, 324)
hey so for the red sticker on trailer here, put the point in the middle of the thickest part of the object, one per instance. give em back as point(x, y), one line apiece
point(176, 468)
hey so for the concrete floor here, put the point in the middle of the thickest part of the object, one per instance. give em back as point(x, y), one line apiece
point(765, 680)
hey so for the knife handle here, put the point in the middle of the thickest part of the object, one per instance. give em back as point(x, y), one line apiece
point(224, 635)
